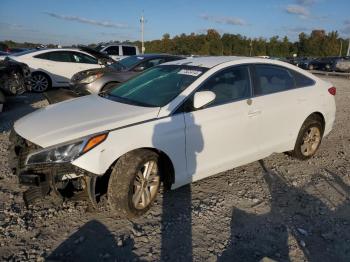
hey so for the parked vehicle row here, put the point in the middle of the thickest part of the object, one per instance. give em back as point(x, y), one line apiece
point(175, 123)
point(341, 64)
point(94, 81)
point(55, 67)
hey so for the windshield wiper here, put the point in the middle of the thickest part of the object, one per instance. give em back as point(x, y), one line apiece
point(124, 100)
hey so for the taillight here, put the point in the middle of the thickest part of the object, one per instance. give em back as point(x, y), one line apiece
point(332, 91)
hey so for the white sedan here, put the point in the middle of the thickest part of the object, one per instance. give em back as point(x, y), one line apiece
point(176, 123)
point(55, 67)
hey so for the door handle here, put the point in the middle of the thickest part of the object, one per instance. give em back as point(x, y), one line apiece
point(254, 113)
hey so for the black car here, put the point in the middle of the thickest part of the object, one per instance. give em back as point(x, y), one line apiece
point(94, 81)
point(323, 63)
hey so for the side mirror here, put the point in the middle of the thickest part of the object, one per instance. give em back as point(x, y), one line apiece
point(203, 98)
point(139, 68)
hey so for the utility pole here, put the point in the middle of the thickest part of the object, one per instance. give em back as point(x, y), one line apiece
point(142, 21)
point(251, 47)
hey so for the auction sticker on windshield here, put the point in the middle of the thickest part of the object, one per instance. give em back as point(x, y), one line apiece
point(189, 72)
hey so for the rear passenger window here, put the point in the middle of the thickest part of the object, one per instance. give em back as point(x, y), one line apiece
point(301, 80)
point(229, 85)
point(272, 79)
point(43, 56)
point(129, 50)
point(60, 56)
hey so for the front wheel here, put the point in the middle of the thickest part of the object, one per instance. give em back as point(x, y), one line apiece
point(309, 139)
point(134, 183)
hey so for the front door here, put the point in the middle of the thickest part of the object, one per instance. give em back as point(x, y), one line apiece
point(220, 136)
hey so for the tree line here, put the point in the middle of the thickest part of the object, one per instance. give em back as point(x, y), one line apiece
point(318, 43)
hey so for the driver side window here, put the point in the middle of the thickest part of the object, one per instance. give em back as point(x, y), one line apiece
point(229, 85)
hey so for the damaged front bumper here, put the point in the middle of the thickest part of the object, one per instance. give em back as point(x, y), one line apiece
point(60, 180)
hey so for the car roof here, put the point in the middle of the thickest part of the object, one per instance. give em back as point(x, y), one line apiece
point(212, 61)
point(46, 50)
point(156, 55)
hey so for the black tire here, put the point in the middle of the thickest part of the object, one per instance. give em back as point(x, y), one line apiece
point(121, 188)
point(40, 82)
point(108, 86)
point(311, 123)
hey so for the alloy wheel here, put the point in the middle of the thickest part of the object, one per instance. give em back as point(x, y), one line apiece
point(311, 141)
point(145, 185)
point(39, 83)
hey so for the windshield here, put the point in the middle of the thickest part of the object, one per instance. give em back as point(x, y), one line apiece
point(130, 61)
point(157, 86)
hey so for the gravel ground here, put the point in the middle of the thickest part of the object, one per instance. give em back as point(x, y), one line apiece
point(276, 209)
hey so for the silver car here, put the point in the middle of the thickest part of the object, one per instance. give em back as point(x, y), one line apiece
point(102, 79)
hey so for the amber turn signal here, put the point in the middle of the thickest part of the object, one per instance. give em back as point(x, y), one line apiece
point(94, 141)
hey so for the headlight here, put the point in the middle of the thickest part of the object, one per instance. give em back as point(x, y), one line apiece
point(91, 78)
point(65, 152)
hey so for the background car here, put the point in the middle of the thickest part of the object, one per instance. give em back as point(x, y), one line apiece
point(94, 81)
point(342, 65)
point(118, 51)
point(98, 80)
point(3, 55)
point(14, 79)
point(323, 63)
point(55, 67)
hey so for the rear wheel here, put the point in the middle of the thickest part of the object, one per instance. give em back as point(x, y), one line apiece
point(309, 139)
point(40, 82)
point(134, 183)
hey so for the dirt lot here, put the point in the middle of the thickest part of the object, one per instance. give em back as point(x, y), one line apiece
point(278, 208)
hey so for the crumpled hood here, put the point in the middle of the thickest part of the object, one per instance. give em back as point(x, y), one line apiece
point(77, 118)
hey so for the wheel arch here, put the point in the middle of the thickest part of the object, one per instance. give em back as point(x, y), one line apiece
point(166, 165)
point(44, 73)
point(320, 116)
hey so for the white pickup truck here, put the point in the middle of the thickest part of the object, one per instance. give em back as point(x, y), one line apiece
point(118, 51)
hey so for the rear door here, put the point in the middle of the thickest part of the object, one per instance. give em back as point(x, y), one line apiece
point(58, 64)
point(278, 106)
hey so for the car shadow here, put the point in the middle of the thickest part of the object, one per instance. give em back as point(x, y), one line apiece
point(93, 242)
point(294, 213)
point(176, 217)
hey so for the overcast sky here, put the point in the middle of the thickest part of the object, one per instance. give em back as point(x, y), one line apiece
point(90, 21)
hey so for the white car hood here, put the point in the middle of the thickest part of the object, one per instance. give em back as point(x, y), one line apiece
point(77, 118)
